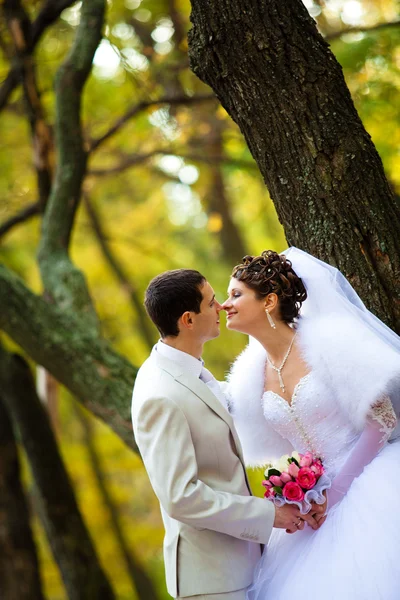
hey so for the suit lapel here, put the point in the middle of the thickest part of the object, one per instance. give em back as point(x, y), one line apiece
point(202, 391)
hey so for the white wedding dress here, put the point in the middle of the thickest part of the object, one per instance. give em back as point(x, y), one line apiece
point(355, 555)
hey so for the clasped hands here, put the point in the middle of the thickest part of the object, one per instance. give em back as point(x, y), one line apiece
point(290, 518)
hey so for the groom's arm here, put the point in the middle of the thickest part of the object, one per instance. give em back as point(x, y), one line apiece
point(163, 436)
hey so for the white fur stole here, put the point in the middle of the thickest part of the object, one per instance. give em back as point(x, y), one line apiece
point(356, 367)
point(260, 442)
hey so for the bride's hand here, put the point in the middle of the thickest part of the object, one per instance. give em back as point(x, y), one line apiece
point(320, 514)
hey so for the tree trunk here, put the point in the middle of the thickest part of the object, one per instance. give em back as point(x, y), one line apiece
point(139, 578)
point(19, 569)
point(60, 341)
point(65, 285)
point(66, 531)
point(217, 197)
point(279, 81)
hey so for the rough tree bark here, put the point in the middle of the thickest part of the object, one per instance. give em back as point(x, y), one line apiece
point(19, 569)
point(62, 333)
point(77, 357)
point(67, 534)
point(279, 81)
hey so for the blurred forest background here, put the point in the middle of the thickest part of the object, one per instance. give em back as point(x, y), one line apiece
point(170, 183)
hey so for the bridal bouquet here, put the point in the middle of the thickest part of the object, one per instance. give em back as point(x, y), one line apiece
point(297, 479)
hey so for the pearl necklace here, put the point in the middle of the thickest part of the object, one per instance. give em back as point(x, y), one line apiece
point(279, 369)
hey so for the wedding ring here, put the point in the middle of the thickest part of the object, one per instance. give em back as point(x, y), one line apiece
point(299, 522)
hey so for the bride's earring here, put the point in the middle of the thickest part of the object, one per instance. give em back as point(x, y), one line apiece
point(270, 319)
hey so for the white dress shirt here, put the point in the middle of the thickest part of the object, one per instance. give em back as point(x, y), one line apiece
point(194, 366)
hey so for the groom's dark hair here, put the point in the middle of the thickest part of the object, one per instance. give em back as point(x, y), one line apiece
point(171, 294)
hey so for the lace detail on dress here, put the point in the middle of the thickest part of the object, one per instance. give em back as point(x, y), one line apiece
point(382, 412)
point(294, 420)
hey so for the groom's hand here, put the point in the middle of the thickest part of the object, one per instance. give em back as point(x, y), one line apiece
point(289, 517)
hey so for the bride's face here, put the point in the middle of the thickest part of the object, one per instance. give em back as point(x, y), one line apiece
point(245, 312)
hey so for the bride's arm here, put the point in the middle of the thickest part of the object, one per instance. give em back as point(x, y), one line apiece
point(381, 422)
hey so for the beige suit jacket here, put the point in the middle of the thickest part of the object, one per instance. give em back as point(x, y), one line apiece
point(189, 445)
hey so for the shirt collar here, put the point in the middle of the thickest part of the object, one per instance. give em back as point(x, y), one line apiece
point(188, 362)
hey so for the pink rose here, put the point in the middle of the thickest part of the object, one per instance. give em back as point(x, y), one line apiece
point(293, 469)
point(285, 477)
point(317, 468)
point(292, 491)
point(269, 493)
point(266, 483)
point(306, 459)
point(306, 478)
point(275, 480)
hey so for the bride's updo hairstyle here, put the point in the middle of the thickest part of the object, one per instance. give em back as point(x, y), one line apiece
point(272, 273)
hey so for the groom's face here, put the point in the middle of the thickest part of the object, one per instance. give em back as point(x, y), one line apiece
point(206, 322)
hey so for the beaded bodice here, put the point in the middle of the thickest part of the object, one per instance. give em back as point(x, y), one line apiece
point(312, 421)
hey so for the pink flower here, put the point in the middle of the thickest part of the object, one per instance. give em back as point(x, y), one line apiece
point(306, 459)
point(275, 480)
point(292, 491)
point(317, 468)
point(285, 477)
point(266, 483)
point(293, 469)
point(269, 493)
point(306, 478)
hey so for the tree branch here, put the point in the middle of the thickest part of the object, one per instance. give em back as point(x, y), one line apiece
point(141, 106)
point(132, 160)
point(337, 34)
point(121, 275)
point(66, 531)
point(26, 213)
point(48, 15)
point(61, 342)
point(9, 85)
point(50, 12)
point(177, 21)
point(42, 137)
point(62, 280)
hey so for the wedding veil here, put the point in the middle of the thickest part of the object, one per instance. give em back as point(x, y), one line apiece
point(371, 346)
point(328, 291)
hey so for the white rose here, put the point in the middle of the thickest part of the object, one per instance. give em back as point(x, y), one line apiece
point(296, 455)
point(282, 464)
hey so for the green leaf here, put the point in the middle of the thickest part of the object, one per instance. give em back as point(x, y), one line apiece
point(277, 489)
point(273, 472)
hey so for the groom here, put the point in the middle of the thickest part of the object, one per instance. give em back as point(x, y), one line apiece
point(214, 526)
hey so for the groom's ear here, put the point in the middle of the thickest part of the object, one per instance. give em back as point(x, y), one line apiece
point(186, 320)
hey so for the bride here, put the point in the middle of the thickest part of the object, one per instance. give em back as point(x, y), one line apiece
point(320, 374)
